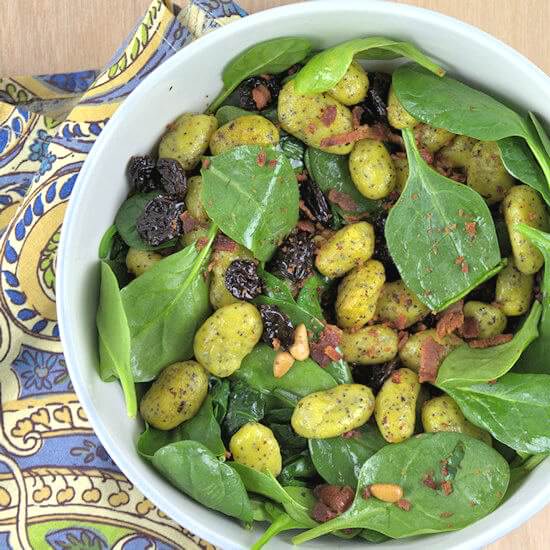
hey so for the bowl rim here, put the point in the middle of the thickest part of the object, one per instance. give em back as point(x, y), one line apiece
point(207, 530)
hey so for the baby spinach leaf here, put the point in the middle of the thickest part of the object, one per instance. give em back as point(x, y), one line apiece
point(373, 536)
point(536, 357)
point(227, 113)
point(428, 98)
point(202, 428)
point(339, 459)
point(515, 409)
point(106, 243)
point(280, 521)
point(269, 57)
point(294, 151)
point(340, 371)
point(113, 250)
point(303, 378)
point(127, 216)
point(219, 392)
point(245, 405)
point(427, 235)
point(478, 486)
point(297, 470)
point(325, 69)
point(193, 469)
point(254, 202)
point(520, 471)
point(290, 442)
point(543, 136)
point(466, 365)
point(520, 162)
point(114, 338)
point(332, 172)
point(165, 306)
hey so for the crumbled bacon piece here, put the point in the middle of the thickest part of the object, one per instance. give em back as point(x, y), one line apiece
point(426, 155)
point(376, 131)
point(451, 319)
point(447, 487)
point(205, 163)
point(402, 336)
point(328, 115)
point(471, 228)
point(429, 482)
point(302, 176)
point(305, 225)
point(343, 200)
point(396, 377)
point(201, 243)
point(470, 328)
point(431, 356)
point(490, 342)
point(332, 353)
point(311, 128)
point(446, 514)
point(352, 434)
point(225, 244)
point(261, 96)
point(464, 267)
point(404, 504)
point(188, 223)
point(261, 158)
point(365, 493)
point(328, 340)
point(400, 323)
point(272, 163)
point(356, 114)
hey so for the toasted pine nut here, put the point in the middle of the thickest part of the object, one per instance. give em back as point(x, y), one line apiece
point(282, 363)
point(300, 348)
point(387, 492)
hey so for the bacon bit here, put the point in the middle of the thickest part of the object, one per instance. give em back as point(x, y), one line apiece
point(337, 497)
point(444, 469)
point(352, 219)
point(414, 196)
point(447, 487)
point(305, 225)
point(490, 342)
point(321, 513)
point(532, 216)
point(352, 434)
point(464, 268)
point(446, 514)
point(365, 493)
point(377, 131)
point(306, 210)
point(471, 229)
point(328, 341)
point(201, 243)
point(332, 353)
point(404, 504)
point(451, 319)
point(272, 163)
point(227, 455)
point(396, 377)
point(470, 328)
point(225, 244)
point(311, 128)
point(205, 163)
point(429, 482)
point(492, 382)
point(261, 158)
point(431, 355)
point(356, 114)
point(261, 96)
point(400, 323)
point(301, 177)
point(402, 338)
point(189, 223)
point(426, 155)
point(328, 115)
point(343, 200)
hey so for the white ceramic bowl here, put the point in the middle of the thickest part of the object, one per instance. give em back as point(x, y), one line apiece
point(184, 83)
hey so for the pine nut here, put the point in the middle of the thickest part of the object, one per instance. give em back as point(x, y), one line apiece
point(282, 363)
point(386, 492)
point(300, 348)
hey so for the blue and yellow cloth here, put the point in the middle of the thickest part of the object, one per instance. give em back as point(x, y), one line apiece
point(58, 487)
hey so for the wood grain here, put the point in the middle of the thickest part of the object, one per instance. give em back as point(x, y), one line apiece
point(45, 36)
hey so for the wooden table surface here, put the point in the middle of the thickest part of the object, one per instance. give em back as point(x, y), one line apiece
point(45, 36)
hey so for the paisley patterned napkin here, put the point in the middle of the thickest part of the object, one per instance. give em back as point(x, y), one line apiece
point(58, 487)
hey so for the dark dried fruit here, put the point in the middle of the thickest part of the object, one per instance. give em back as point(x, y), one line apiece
point(374, 376)
point(246, 88)
point(381, 252)
point(160, 220)
point(171, 178)
point(316, 202)
point(242, 279)
point(374, 106)
point(277, 326)
point(141, 173)
point(293, 260)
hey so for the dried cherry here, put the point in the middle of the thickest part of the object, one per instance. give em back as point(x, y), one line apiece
point(160, 220)
point(242, 279)
point(374, 106)
point(293, 260)
point(171, 177)
point(381, 252)
point(277, 326)
point(316, 202)
point(141, 173)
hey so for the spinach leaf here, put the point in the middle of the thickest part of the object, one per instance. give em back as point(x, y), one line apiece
point(515, 409)
point(106, 243)
point(280, 521)
point(114, 338)
point(428, 97)
point(297, 470)
point(339, 459)
point(202, 428)
point(478, 485)
point(520, 471)
point(227, 113)
point(289, 441)
point(303, 378)
point(219, 392)
point(294, 151)
point(113, 250)
point(520, 162)
point(427, 235)
point(466, 365)
point(373, 536)
point(541, 132)
point(193, 469)
point(325, 69)
point(127, 216)
point(331, 171)
point(536, 357)
point(272, 56)
point(245, 405)
point(255, 203)
point(165, 306)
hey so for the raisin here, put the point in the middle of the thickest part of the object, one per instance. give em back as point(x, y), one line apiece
point(246, 87)
point(171, 178)
point(160, 220)
point(293, 260)
point(381, 252)
point(141, 173)
point(242, 279)
point(316, 202)
point(374, 106)
point(277, 326)
point(374, 376)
